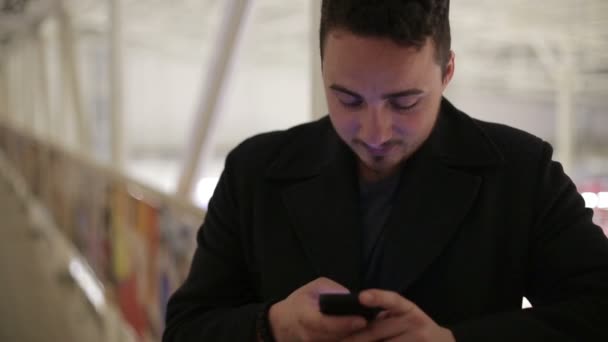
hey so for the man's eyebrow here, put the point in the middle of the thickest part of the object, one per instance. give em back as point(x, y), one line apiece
point(344, 90)
point(403, 93)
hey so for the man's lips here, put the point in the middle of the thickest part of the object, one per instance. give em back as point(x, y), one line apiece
point(379, 151)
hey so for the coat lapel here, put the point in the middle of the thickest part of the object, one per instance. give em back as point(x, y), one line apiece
point(431, 202)
point(438, 187)
point(434, 196)
point(324, 211)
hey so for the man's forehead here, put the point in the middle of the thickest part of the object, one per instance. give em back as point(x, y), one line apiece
point(343, 35)
point(354, 54)
point(376, 66)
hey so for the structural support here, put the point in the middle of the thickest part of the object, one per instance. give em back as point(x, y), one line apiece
point(3, 88)
point(561, 70)
point(116, 85)
point(565, 128)
point(45, 130)
point(215, 82)
point(43, 85)
point(317, 91)
point(22, 103)
point(31, 67)
point(70, 70)
point(8, 86)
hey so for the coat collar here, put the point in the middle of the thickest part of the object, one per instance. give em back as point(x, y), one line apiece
point(321, 197)
point(457, 140)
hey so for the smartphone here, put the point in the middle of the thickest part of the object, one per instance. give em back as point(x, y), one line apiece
point(346, 304)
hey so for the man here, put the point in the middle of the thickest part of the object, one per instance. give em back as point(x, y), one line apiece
point(443, 221)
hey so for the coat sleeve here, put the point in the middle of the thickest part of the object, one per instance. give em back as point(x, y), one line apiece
point(567, 277)
point(217, 301)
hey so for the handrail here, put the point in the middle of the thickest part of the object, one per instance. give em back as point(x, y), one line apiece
point(138, 240)
point(62, 257)
point(150, 195)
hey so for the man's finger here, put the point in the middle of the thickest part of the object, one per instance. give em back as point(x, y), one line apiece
point(383, 314)
point(380, 330)
point(386, 300)
point(345, 324)
point(315, 320)
point(322, 285)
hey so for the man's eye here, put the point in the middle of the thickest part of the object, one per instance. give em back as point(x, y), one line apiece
point(403, 104)
point(349, 101)
point(353, 103)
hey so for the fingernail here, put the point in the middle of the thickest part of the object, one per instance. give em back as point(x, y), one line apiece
point(367, 296)
point(358, 324)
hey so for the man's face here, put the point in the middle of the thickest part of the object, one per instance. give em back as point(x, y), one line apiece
point(383, 98)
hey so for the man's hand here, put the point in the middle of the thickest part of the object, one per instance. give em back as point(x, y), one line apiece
point(298, 318)
point(401, 320)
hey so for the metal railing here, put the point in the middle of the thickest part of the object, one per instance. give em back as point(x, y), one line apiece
point(137, 241)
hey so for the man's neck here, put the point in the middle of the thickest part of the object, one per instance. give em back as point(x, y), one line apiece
point(369, 175)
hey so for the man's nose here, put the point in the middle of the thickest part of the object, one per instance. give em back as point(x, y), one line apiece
point(376, 127)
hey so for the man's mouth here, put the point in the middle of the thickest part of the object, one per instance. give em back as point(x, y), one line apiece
point(380, 151)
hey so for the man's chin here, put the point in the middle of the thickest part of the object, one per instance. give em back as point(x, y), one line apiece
point(375, 170)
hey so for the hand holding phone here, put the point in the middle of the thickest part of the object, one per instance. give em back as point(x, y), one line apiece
point(346, 305)
point(297, 317)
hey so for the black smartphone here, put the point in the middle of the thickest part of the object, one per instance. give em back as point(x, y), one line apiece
point(346, 304)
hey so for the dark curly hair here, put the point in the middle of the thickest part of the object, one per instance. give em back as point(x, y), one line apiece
point(406, 22)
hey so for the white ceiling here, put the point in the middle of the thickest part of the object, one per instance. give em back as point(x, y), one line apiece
point(526, 43)
point(522, 47)
point(515, 43)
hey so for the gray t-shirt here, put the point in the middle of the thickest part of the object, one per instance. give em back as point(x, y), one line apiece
point(376, 202)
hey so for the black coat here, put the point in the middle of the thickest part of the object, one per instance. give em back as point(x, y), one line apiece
point(482, 218)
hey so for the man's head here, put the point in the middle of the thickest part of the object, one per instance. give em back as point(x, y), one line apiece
point(406, 22)
point(385, 66)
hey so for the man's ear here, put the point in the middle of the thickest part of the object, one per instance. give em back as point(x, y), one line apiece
point(449, 69)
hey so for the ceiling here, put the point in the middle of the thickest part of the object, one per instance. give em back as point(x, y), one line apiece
point(517, 44)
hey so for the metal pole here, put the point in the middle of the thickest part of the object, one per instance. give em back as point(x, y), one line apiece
point(11, 85)
point(565, 130)
point(3, 88)
point(64, 135)
point(15, 84)
point(318, 102)
point(70, 65)
point(116, 85)
point(563, 74)
point(47, 136)
point(8, 85)
point(31, 85)
point(43, 85)
point(215, 76)
point(22, 113)
point(57, 87)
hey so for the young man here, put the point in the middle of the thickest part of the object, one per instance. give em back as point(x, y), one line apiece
point(443, 221)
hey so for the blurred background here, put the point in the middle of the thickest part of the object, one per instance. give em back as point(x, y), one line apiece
point(116, 117)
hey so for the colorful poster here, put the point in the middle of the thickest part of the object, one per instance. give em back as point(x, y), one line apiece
point(129, 259)
point(121, 259)
point(148, 229)
point(129, 305)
